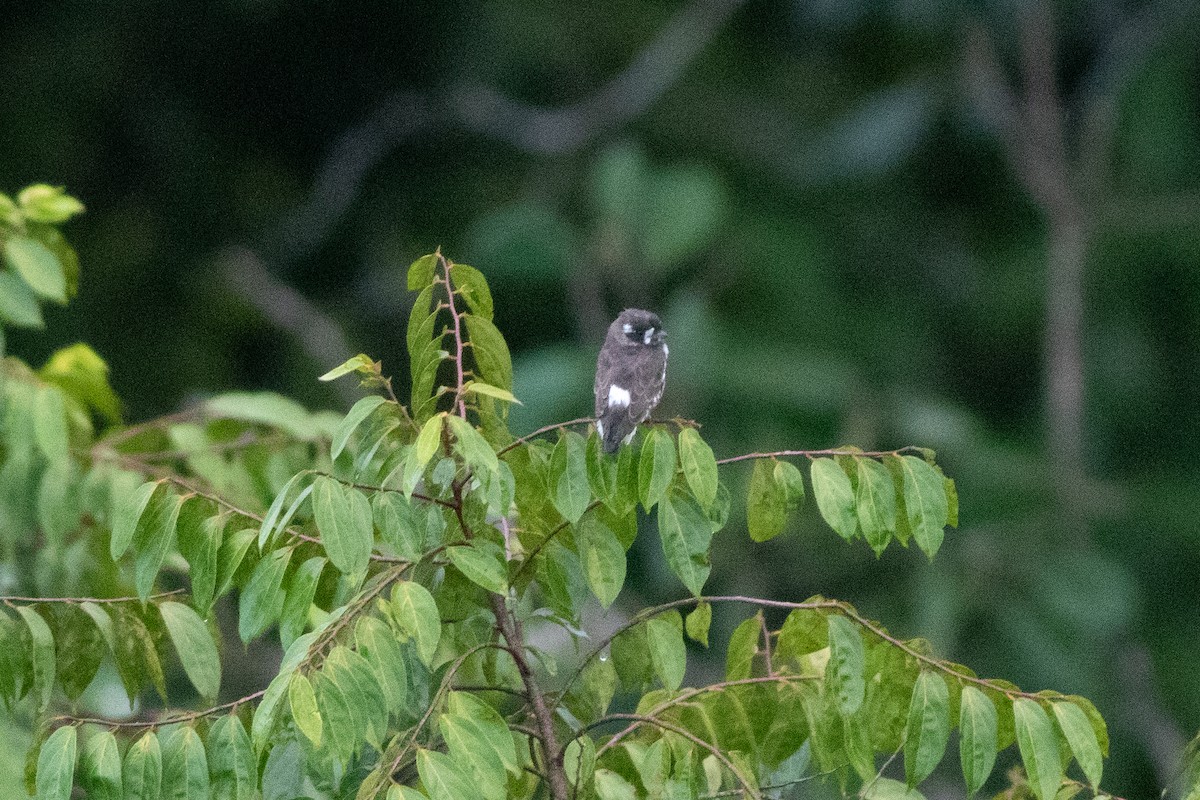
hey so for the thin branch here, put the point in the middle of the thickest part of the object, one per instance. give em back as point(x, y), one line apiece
point(8, 600)
point(835, 451)
point(171, 720)
point(562, 526)
point(544, 429)
point(459, 376)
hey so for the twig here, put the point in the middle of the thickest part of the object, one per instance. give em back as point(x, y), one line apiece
point(460, 378)
point(544, 429)
point(835, 451)
point(8, 600)
point(172, 720)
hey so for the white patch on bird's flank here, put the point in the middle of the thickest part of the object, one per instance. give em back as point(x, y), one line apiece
point(600, 427)
point(666, 353)
point(648, 335)
point(618, 397)
point(627, 328)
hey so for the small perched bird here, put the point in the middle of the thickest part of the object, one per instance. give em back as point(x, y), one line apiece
point(630, 375)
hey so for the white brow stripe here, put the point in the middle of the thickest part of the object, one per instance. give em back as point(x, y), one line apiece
point(648, 335)
point(618, 397)
point(627, 328)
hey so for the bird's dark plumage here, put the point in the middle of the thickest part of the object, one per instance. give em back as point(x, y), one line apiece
point(631, 372)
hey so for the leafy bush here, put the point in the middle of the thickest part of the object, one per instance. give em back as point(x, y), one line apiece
point(402, 554)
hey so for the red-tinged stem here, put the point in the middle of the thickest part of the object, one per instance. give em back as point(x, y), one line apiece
point(460, 377)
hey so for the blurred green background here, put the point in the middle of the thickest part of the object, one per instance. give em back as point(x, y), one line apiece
point(862, 221)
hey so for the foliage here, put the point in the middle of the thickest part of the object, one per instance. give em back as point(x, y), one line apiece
point(403, 553)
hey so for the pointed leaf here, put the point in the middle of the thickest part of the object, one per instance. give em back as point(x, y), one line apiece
point(18, 305)
point(185, 766)
point(379, 647)
point(345, 429)
point(153, 539)
point(428, 441)
point(232, 768)
point(1079, 734)
point(299, 598)
point(473, 287)
point(43, 655)
point(925, 503)
point(420, 272)
point(766, 502)
point(977, 737)
point(200, 544)
point(417, 615)
point(56, 765)
point(686, 534)
point(844, 670)
point(656, 468)
point(443, 778)
point(197, 651)
point(486, 389)
point(100, 767)
point(835, 497)
point(482, 562)
point(127, 513)
point(699, 466)
point(491, 727)
point(262, 600)
point(303, 702)
point(928, 727)
point(39, 267)
point(601, 555)
point(1038, 746)
point(668, 655)
point(344, 520)
point(697, 623)
point(492, 360)
point(271, 520)
point(359, 363)
point(568, 475)
point(875, 501)
point(142, 771)
point(743, 646)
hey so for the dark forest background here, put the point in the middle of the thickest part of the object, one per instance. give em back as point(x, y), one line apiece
point(972, 226)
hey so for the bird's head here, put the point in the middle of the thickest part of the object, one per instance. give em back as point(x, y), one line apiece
point(638, 328)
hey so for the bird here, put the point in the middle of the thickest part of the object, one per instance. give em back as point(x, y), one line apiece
point(631, 372)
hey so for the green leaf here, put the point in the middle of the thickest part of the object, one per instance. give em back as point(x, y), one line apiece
point(153, 538)
point(398, 792)
point(766, 502)
point(420, 272)
point(50, 424)
point(364, 696)
point(82, 374)
point(668, 654)
point(142, 771)
point(42, 656)
point(275, 519)
point(185, 766)
point(473, 287)
point(493, 730)
point(262, 600)
point(976, 738)
point(1038, 746)
point(303, 702)
point(48, 204)
point(686, 534)
point(569, 477)
point(468, 748)
point(492, 360)
point(699, 466)
point(1079, 734)
point(875, 501)
point(344, 520)
point(300, 593)
point(341, 728)
point(18, 306)
point(56, 765)
point(470, 443)
point(601, 555)
point(443, 778)
point(100, 767)
point(743, 646)
point(360, 363)
point(197, 651)
point(656, 468)
point(611, 786)
point(928, 727)
point(358, 412)
point(230, 555)
point(602, 471)
point(416, 614)
point(379, 647)
point(127, 513)
point(844, 670)
point(888, 789)
point(697, 623)
point(40, 268)
point(835, 497)
point(265, 408)
point(199, 543)
point(231, 763)
point(925, 503)
point(78, 648)
point(482, 562)
point(428, 441)
point(486, 389)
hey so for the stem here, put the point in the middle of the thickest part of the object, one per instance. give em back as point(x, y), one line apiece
point(460, 378)
point(544, 429)
point(8, 600)
point(833, 451)
point(510, 628)
point(188, 717)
